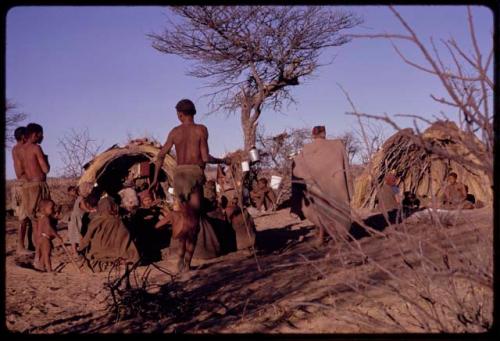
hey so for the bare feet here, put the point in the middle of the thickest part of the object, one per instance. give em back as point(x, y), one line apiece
point(23, 251)
point(180, 265)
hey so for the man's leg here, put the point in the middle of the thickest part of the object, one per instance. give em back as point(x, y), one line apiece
point(182, 252)
point(21, 234)
point(30, 232)
point(190, 246)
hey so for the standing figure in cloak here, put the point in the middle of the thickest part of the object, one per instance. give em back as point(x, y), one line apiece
point(321, 184)
point(191, 149)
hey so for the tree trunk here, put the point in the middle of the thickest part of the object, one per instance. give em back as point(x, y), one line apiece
point(249, 133)
point(249, 127)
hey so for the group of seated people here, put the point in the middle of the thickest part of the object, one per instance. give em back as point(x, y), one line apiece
point(453, 195)
point(126, 229)
point(135, 226)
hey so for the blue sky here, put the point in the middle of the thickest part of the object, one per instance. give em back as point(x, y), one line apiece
point(94, 67)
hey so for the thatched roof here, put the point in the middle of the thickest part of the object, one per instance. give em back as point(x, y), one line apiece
point(418, 170)
point(147, 150)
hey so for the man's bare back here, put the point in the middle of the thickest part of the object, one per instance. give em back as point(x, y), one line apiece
point(16, 157)
point(190, 141)
point(34, 164)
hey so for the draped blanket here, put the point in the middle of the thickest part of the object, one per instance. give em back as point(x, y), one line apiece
point(107, 239)
point(323, 168)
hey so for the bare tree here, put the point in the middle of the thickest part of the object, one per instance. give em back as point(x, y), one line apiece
point(77, 148)
point(253, 54)
point(12, 119)
point(351, 143)
point(276, 151)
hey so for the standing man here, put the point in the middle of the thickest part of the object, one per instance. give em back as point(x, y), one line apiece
point(321, 176)
point(20, 136)
point(34, 166)
point(191, 150)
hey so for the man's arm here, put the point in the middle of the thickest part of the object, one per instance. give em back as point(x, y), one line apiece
point(205, 155)
point(42, 160)
point(463, 192)
point(160, 158)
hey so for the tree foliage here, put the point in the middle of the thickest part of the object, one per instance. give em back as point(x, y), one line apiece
point(77, 148)
point(12, 120)
point(251, 55)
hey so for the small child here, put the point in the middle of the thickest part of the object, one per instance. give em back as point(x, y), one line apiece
point(45, 232)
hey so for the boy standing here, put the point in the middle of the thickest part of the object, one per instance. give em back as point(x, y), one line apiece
point(45, 233)
point(191, 150)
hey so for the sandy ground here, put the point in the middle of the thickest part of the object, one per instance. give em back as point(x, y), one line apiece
point(299, 288)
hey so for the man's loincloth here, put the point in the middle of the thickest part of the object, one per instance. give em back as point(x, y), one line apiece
point(32, 193)
point(187, 178)
point(17, 200)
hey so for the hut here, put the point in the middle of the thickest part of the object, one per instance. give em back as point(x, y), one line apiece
point(132, 163)
point(419, 170)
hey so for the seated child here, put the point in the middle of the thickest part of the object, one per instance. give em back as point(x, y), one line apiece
point(45, 232)
point(143, 229)
point(263, 196)
point(454, 193)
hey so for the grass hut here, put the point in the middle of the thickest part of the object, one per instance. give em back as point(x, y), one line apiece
point(420, 171)
point(109, 169)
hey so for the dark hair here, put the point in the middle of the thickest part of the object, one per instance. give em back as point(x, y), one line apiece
point(93, 199)
point(186, 106)
point(19, 133)
point(263, 181)
point(33, 128)
point(318, 130)
point(453, 174)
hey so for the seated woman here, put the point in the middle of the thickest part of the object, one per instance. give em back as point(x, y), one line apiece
point(107, 238)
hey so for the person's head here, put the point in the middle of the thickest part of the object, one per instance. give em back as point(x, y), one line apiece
point(146, 199)
point(390, 179)
point(319, 132)
point(262, 183)
point(34, 133)
point(46, 207)
point(92, 200)
point(107, 206)
point(185, 110)
point(20, 134)
point(452, 178)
